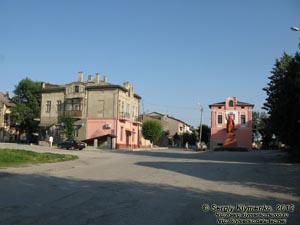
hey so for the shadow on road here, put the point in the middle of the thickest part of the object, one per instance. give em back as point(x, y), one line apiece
point(247, 175)
point(243, 157)
point(48, 200)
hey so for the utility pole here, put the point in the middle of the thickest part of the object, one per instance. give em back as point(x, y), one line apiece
point(200, 130)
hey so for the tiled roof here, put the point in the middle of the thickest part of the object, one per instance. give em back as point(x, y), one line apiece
point(238, 103)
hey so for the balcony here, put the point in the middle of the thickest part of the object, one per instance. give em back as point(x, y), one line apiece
point(129, 117)
point(74, 113)
point(124, 115)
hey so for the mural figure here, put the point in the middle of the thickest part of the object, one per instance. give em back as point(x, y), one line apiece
point(230, 124)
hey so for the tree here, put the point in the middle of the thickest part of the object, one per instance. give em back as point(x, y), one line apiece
point(283, 100)
point(189, 137)
point(27, 100)
point(261, 129)
point(152, 130)
point(67, 123)
point(205, 137)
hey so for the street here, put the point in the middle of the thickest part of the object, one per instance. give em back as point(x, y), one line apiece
point(153, 187)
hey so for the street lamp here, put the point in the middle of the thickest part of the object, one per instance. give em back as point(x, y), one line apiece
point(296, 29)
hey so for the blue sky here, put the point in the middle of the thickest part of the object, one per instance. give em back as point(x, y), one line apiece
point(177, 53)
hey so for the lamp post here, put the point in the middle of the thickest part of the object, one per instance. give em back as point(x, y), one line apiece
point(296, 29)
point(200, 128)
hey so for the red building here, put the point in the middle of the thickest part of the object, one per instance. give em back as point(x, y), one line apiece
point(241, 113)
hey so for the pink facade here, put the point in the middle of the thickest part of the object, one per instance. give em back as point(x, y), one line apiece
point(125, 132)
point(241, 113)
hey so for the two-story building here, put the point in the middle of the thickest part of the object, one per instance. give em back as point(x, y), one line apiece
point(7, 133)
point(240, 112)
point(101, 110)
point(170, 125)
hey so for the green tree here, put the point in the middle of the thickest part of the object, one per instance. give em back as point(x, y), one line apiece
point(27, 100)
point(176, 139)
point(152, 130)
point(205, 137)
point(282, 103)
point(261, 129)
point(67, 123)
point(189, 137)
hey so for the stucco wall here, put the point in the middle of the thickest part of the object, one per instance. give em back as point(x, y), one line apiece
point(52, 116)
point(243, 131)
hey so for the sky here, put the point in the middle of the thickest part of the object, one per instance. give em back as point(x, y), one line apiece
point(180, 55)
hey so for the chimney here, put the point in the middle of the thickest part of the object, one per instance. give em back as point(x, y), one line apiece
point(105, 79)
point(80, 76)
point(97, 78)
point(90, 78)
point(43, 84)
point(7, 94)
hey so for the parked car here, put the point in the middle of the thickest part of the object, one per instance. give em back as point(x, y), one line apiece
point(72, 144)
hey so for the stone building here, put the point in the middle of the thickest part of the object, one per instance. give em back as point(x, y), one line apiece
point(241, 113)
point(170, 125)
point(7, 133)
point(103, 111)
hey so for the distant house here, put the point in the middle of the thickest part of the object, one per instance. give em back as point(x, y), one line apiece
point(241, 112)
point(103, 111)
point(171, 125)
point(7, 133)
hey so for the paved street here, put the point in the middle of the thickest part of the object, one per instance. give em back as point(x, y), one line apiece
point(162, 187)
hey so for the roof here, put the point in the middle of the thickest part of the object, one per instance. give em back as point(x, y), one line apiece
point(170, 117)
point(88, 85)
point(238, 104)
point(5, 99)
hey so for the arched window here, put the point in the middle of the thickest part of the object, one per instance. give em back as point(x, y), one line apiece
point(231, 103)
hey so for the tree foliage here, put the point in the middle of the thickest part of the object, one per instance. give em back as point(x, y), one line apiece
point(67, 123)
point(261, 129)
point(27, 100)
point(283, 99)
point(205, 137)
point(152, 130)
point(189, 137)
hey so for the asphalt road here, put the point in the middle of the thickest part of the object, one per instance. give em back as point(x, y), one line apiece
point(162, 187)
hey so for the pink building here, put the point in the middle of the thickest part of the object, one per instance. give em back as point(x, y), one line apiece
point(106, 115)
point(241, 113)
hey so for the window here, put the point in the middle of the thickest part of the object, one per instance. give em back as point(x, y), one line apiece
point(76, 88)
point(73, 104)
point(48, 106)
point(230, 103)
point(220, 119)
point(133, 111)
point(76, 132)
point(243, 119)
point(58, 106)
point(76, 104)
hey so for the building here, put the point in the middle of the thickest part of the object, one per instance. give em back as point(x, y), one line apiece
point(104, 112)
point(7, 133)
point(170, 125)
point(240, 112)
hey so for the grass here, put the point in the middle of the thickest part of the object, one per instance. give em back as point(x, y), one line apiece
point(10, 157)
